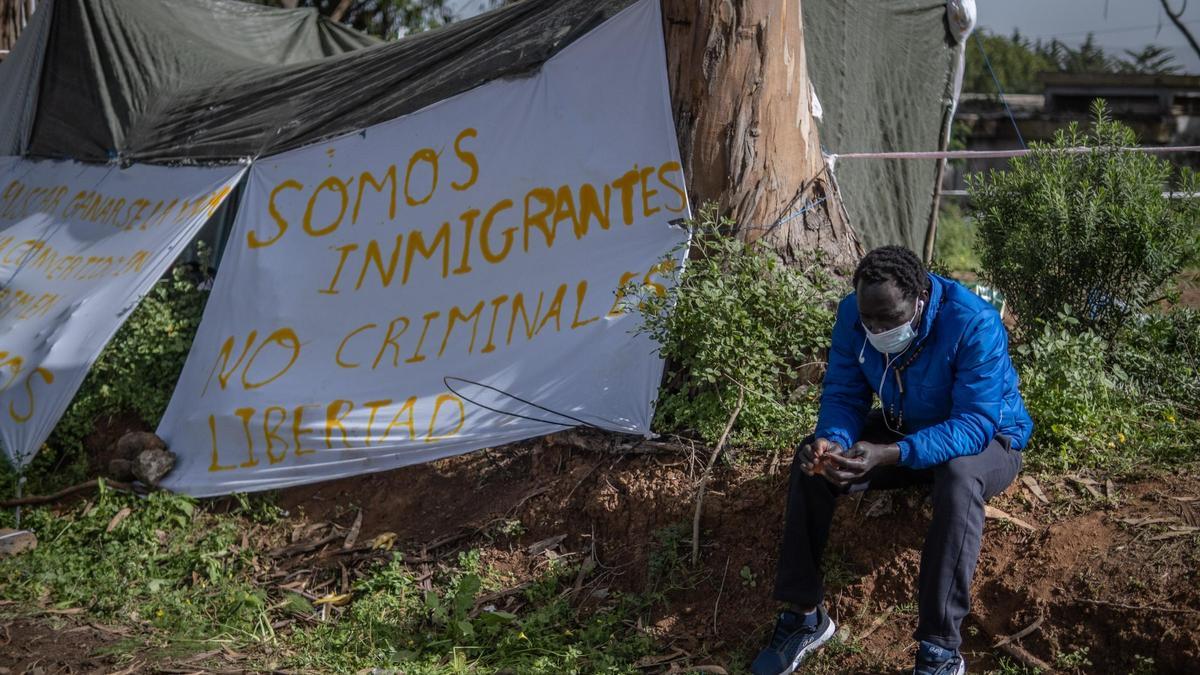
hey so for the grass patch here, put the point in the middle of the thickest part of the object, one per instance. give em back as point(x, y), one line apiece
point(188, 580)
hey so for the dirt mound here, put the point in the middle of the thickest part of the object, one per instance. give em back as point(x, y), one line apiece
point(1108, 574)
point(28, 646)
point(101, 444)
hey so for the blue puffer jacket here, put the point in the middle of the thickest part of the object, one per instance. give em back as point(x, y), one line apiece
point(957, 394)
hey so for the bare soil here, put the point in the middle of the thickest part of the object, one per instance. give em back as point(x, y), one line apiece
point(1115, 575)
point(1110, 569)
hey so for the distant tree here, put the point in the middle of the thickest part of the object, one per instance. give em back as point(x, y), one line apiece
point(1089, 57)
point(387, 19)
point(1150, 60)
point(1016, 61)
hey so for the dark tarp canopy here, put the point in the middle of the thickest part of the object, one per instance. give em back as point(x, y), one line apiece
point(181, 81)
point(219, 81)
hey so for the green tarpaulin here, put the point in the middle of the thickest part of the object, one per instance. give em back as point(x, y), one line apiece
point(214, 81)
point(884, 74)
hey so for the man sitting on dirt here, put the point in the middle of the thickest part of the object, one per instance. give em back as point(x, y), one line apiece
point(950, 415)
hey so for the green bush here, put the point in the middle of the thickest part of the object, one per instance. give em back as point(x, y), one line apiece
point(739, 318)
point(1077, 407)
point(135, 374)
point(1160, 354)
point(954, 248)
point(1117, 404)
point(1091, 231)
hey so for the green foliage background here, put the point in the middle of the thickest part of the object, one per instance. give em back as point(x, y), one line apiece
point(1017, 61)
point(135, 374)
point(738, 320)
point(1090, 231)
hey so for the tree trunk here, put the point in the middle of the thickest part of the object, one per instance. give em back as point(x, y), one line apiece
point(741, 98)
point(10, 26)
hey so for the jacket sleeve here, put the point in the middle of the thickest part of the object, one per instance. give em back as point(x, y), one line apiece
point(981, 365)
point(846, 395)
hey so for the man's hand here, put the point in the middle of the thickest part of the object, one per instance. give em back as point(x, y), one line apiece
point(853, 465)
point(813, 457)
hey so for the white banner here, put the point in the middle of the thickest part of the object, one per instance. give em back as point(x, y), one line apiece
point(79, 247)
point(443, 282)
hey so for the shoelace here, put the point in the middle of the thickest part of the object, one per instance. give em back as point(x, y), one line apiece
point(940, 668)
point(948, 666)
point(783, 634)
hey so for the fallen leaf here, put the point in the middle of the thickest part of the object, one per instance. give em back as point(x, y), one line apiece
point(383, 541)
point(882, 505)
point(1087, 484)
point(546, 544)
point(1030, 483)
point(335, 599)
point(996, 514)
point(1175, 532)
point(352, 536)
point(1142, 522)
point(116, 520)
point(876, 623)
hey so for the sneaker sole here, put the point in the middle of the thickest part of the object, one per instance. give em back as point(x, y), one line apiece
point(829, 630)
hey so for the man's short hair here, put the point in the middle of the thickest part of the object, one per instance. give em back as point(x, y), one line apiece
point(896, 264)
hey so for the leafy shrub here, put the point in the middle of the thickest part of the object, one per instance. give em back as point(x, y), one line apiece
point(1113, 404)
point(135, 374)
point(738, 317)
point(1091, 231)
point(1077, 407)
point(954, 248)
point(1160, 354)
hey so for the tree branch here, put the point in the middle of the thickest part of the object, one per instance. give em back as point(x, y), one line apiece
point(340, 11)
point(1177, 19)
point(712, 459)
point(34, 500)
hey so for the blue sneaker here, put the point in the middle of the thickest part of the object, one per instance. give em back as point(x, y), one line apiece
point(796, 636)
point(934, 660)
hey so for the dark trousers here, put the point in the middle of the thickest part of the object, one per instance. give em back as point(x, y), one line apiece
point(960, 488)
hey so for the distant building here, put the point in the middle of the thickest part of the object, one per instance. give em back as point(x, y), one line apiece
point(1162, 110)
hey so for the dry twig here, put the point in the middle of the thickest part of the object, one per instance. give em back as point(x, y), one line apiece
point(1026, 631)
point(712, 459)
point(34, 500)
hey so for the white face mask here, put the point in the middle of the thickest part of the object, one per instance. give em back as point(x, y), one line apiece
point(897, 339)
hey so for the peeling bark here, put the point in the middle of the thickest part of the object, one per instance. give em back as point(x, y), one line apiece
point(741, 98)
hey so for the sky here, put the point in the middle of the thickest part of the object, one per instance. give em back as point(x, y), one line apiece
point(1118, 24)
